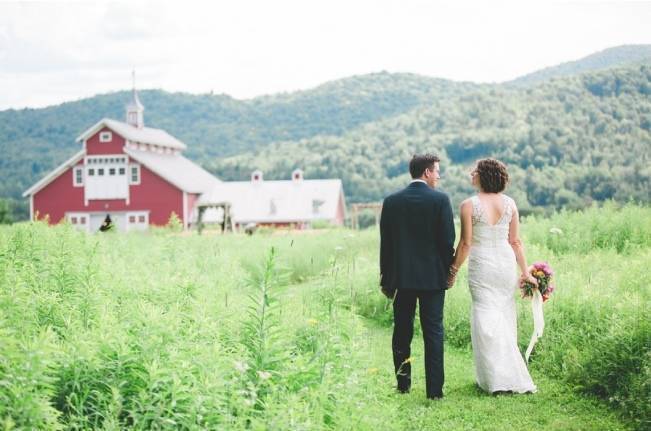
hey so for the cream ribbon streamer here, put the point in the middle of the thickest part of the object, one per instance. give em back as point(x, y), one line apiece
point(538, 321)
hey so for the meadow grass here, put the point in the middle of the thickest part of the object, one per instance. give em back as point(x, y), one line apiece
point(170, 331)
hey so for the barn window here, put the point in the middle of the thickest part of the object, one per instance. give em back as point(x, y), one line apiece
point(141, 219)
point(100, 171)
point(122, 171)
point(105, 137)
point(82, 220)
point(73, 220)
point(134, 177)
point(111, 171)
point(91, 172)
point(78, 176)
point(132, 219)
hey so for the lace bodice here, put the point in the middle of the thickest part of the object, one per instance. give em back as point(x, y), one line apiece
point(486, 234)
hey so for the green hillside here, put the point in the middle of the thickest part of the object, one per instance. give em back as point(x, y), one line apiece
point(618, 56)
point(34, 141)
point(568, 142)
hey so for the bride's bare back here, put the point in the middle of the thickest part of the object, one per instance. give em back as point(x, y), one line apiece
point(493, 207)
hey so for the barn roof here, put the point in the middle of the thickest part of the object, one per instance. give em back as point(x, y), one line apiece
point(176, 169)
point(55, 173)
point(278, 201)
point(145, 135)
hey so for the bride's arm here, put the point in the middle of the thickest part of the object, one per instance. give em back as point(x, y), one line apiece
point(463, 248)
point(516, 244)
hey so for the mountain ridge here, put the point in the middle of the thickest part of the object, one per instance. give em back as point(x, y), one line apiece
point(615, 56)
point(218, 128)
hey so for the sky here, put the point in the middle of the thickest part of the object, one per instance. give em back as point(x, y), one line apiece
point(57, 51)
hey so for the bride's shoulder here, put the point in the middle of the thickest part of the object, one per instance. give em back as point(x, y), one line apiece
point(510, 202)
point(468, 202)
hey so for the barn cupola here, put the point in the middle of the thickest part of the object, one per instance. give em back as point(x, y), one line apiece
point(135, 109)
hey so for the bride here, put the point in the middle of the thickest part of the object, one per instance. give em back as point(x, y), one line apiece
point(489, 233)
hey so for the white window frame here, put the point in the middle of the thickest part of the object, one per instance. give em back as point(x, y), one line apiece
point(105, 136)
point(75, 171)
point(137, 224)
point(131, 180)
point(78, 215)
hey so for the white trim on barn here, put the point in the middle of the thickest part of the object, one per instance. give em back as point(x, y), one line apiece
point(145, 135)
point(106, 137)
point(79, 220)
point(72, 161)
point(78, 176)
point(31, 208)
point(185, 210)
point(134, 169)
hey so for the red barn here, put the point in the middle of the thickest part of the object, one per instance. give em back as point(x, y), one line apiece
point(132, 174)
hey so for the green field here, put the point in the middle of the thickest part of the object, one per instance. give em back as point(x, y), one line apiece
point(175, 331)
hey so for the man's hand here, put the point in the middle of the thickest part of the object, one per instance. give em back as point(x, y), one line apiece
point(451, 280)
point(452, 276)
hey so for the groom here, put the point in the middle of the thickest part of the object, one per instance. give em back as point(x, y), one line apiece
point(416, 250)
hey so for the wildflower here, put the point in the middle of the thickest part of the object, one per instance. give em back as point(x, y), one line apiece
point(408, 360)
point(264, 375)
point(241, 366)
point(373, 370)
point(312, 322)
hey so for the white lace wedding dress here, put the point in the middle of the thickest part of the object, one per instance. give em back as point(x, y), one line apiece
point(492, 279)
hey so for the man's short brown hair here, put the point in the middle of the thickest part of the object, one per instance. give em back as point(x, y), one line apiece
point(420, 162)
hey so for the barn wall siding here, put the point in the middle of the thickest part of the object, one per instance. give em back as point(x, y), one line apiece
point(153, 194)
point(95, 147)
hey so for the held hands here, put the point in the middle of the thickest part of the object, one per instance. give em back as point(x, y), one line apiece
point(452, 276)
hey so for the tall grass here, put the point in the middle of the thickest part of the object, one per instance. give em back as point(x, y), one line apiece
point(597, 334)
point(151, 330)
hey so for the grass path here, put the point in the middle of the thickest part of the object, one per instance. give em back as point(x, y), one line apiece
point(465, 407)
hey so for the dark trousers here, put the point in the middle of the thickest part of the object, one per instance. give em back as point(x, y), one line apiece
point(431, 322)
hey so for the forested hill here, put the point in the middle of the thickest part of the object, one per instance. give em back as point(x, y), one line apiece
point(568, 142)
point(619, 56)
point(34, 141)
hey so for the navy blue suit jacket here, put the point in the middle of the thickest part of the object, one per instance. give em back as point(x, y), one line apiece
point(417, 239)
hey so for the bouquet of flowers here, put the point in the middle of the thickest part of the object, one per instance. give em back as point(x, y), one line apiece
point(543, 273)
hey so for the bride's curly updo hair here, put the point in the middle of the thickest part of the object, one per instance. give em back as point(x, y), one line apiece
point(493, 176)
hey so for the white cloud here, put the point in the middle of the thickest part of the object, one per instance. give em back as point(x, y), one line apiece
point(55, 51)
